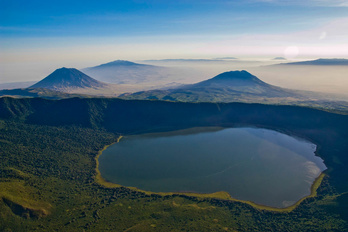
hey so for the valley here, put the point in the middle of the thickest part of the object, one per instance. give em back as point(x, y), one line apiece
point(71, 132)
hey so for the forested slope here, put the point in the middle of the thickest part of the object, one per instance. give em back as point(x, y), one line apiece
point(47, 161)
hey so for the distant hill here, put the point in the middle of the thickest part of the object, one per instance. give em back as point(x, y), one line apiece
point(68, 79)
point(226, 87)
point(279, 58)
point(189, 60)
point(321, 62)
point(126, 72)
point(118, 63)
point(16, 85)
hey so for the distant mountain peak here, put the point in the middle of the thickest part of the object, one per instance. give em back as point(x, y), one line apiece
point(68, 78)
point(64, 69)
point(232, 78)
point(122, 62)
point(231, 75)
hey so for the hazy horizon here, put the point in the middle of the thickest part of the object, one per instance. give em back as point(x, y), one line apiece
point(38, 37)
point(325, 79)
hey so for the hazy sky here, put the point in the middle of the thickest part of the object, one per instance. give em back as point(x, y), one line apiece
point(37, 36)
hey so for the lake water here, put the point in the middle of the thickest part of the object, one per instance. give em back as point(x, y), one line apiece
point(259, 165)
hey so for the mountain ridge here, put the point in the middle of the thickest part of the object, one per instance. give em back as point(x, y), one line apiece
point(118, 63)
point(232, 86)
point(321, 61)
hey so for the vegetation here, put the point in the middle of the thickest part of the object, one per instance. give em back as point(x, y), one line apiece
point(48, 168)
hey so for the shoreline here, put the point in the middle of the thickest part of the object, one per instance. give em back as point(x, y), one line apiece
point(98, 178)
point(222, 195)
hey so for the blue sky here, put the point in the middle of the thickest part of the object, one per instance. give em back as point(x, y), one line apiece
point(89, 32)
point(138, 18)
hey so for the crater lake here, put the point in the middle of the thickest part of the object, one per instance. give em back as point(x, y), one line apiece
point(253, 164)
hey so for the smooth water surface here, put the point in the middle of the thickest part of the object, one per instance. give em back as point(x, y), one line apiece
point(259, 165)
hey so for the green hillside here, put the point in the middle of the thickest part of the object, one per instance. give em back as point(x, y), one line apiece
point(47, 163)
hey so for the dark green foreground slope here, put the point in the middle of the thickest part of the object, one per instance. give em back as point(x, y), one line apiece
point(47, 167)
